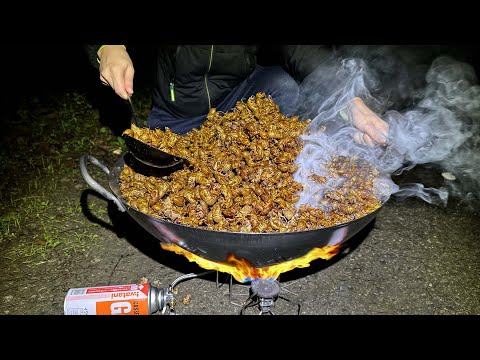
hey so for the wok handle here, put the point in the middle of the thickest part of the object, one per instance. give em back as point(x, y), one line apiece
point(95, 185)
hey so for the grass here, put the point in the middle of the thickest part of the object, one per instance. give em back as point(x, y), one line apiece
point(40, 211)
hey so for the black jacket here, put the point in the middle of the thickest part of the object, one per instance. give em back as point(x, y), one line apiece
point(200, 76)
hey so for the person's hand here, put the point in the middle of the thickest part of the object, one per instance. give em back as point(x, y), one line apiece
point(116, 69)
point(372, 130)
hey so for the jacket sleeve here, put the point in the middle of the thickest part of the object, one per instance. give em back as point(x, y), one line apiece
point(301, 60)
point(91, 51)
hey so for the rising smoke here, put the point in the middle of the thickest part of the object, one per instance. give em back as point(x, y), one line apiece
point(433, 111)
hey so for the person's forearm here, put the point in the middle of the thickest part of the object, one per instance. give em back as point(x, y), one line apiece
point(372, 129)
point(94, 52)
point(116, 69)
point(91, 51)
point(101, 49)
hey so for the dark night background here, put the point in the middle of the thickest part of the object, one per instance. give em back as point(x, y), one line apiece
point(49, 69)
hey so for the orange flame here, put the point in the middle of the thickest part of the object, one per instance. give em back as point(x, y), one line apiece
point(243, 271)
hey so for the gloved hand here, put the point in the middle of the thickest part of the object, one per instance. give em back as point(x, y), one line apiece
point(116, 69)
point(372, 130)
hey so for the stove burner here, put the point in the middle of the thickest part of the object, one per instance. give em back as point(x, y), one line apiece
point(263, 293)
point(265, 288)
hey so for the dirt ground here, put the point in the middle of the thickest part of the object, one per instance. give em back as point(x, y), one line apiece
point(57, 234)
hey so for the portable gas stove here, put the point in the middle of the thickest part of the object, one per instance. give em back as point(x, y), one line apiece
point(264, 287)
point(261, 294)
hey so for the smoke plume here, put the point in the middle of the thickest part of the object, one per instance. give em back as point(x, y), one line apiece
point(433, 111)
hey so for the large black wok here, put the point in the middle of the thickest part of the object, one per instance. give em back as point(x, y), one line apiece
point(259, 249)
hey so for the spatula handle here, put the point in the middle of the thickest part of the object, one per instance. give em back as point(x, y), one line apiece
point(134, 112)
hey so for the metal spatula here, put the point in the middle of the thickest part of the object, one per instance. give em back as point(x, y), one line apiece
point(146, 153)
